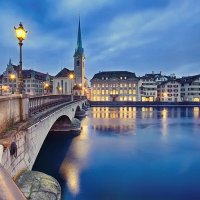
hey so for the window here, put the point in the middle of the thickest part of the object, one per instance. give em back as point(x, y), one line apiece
point(130, 92)
point(106, 91)
point(77, 63)
point(102, 92)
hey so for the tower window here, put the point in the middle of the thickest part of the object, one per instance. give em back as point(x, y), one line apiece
point(78, 63)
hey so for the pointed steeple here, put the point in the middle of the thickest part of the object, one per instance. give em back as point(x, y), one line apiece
point(79, 40)
point(79, 49)
point(10, 62)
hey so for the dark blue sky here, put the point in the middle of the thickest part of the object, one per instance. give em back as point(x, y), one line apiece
point(136, 35)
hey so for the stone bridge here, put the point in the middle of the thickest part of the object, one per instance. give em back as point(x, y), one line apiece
point(31, 119)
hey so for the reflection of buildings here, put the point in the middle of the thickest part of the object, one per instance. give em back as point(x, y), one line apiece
point(76, 159)
point(114, 86)
point(121, 119)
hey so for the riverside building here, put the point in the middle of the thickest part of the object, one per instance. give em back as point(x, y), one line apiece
point(147, 86)
point(169, 91)
point(190, 88)
point(114, 86)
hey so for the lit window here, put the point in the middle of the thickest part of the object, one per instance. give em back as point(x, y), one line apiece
point(120, 77)
point(130, 98)
point(130, 92)
point(121, 85)
point(134, 98)
point(121, 98)
point(98, 91)
point(102, 99)
point(106, 98)
point(121, 91)
point(125, 85)
point(125, 77)
point(134, 91)
point(129, 84)
point(102, 92)
point(102, 85)
point(106, 91)
point(94, 92)
point(125, 98)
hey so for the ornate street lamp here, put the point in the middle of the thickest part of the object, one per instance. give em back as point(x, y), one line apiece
point(21, 35)
point(71, 77)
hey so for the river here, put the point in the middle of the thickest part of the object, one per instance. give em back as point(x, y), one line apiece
point(127, 154)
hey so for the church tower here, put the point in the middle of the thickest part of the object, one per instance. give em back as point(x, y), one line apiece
point(79, 60)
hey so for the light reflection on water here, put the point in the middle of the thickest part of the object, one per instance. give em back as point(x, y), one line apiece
point(124, 151)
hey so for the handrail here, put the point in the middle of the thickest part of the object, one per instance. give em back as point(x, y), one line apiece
point(41, 103)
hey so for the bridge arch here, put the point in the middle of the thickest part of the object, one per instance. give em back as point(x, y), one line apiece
point(61, 124)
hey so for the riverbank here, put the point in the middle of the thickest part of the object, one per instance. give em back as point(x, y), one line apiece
point(142, 104)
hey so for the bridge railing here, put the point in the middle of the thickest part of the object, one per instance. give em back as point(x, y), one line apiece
point(41, 103)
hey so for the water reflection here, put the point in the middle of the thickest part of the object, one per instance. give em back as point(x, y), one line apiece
point(75, 160)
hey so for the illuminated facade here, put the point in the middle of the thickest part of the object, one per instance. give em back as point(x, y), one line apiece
point(114, 86)
point(35, 83)
point(62, 84)
point(169, 91)
point(147, 86)
point(190, 88)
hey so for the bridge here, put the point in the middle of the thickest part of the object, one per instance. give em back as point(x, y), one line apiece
point(26, 121)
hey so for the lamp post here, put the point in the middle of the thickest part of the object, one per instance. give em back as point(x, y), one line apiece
point(21, 35)
point(12, 78)
point(71, 77)
point(46, 87)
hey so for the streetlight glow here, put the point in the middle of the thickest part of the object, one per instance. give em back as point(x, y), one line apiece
point(20, 32)
point(71, 76)
point(12, 77)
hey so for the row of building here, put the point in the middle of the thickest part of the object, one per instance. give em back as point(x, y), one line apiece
point(126, 86)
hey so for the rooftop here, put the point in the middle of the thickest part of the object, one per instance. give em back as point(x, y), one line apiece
point(114, 74)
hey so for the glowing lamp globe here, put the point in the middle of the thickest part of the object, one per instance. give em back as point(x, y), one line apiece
point(20, 32)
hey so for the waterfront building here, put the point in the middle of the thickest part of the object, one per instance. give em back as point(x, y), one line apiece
point(190, 88)
point(34, 82)
point(114, 86)
point(62, 83)
point(147, 86)
point(169, 91)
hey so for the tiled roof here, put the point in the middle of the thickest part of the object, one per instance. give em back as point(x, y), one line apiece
point(189, 79)
point(28, 73)
point(64, 73)
point(114, 74)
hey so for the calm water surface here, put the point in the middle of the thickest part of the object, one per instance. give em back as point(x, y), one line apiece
point(127, 154)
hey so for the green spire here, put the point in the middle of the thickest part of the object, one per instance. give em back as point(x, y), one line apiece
point(79, 40)
point(79, 49)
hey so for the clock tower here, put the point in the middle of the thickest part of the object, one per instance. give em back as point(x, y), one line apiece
point(79, 60)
